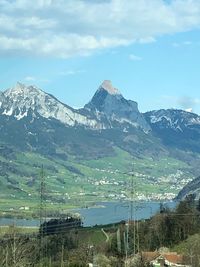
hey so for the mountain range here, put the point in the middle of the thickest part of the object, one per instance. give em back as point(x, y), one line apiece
point(34, 124)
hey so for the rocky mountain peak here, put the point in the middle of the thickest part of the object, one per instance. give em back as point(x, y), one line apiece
point(108, 103)
point(107, 86)
point(23, 90)
point(22, 100)
point(20, 87)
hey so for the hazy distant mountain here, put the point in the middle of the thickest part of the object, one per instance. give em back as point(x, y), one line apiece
point(177, 120)
point(176, 128)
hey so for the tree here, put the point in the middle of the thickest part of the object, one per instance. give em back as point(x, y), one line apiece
point(102, 261)
point(60, 226)
point(198, 205)
point(191, 249)
point(16, 250)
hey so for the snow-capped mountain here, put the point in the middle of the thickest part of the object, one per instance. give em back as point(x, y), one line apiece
point(178, 120)
point(109, 105)
point(106, 108)
point(33, 122)
point(176, 128)
point(2, 98)
point(21, 100)
point(31, 119)
point(43, 121)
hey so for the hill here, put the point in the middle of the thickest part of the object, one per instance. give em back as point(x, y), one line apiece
point(89, 154)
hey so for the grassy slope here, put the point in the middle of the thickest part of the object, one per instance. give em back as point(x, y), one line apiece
point(74, 186)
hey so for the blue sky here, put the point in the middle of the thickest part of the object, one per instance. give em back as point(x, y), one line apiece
point(150, 49)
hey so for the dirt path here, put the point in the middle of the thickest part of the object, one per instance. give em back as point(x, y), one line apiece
point(106, 235)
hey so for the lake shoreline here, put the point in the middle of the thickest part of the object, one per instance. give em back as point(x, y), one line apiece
point(102, 213)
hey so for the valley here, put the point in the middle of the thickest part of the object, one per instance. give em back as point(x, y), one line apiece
point(81, 183)
point(104, 151)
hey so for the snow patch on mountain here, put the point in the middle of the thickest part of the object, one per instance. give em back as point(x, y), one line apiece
point(172, 118)
point(1, 99)
point(195, 120)
point(21, 99)
point(21, 115)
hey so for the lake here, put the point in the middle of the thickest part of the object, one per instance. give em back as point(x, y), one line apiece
point(103, 213)
point(112, 212)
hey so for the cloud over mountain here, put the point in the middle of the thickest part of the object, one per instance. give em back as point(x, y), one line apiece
point(187, 102)
point(70, 28)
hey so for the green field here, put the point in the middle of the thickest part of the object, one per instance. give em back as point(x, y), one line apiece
point(78, 183)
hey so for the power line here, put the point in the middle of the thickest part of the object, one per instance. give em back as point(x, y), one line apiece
point(43, 247)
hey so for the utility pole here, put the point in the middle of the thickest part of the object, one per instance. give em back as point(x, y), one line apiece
point(127, 238)
point(94, 259)
point(42, 214)
point(7, 256)
point(42, 196)
point(126, 250)
point(62, 255)
point(132, 218)
point(132, 207)
point(138, 238)
point(50, 261)
point(136, 244)
point(132, 194)
point(119, 246)
point(14, 247)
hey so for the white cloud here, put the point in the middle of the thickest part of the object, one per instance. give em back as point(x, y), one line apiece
point(187, 103)
point(69, 28)
point(189, 110)
point(185, 43)
point(147, 40)
point(176, 44)
point(71, 72)
point(29, 78)
point(134, 57)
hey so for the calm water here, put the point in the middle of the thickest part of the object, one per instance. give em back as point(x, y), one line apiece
point(19, 222)
point(103, 213)
point(112, 212)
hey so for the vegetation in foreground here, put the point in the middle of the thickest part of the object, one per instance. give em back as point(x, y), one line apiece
point(64, 242)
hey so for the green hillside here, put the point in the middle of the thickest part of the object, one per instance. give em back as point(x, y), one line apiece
point(76, 183)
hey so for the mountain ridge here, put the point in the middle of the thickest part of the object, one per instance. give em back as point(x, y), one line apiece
point(108, 130)
point(116, 121)
point(177, 128)
point(107, 110)
point(20, 99)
